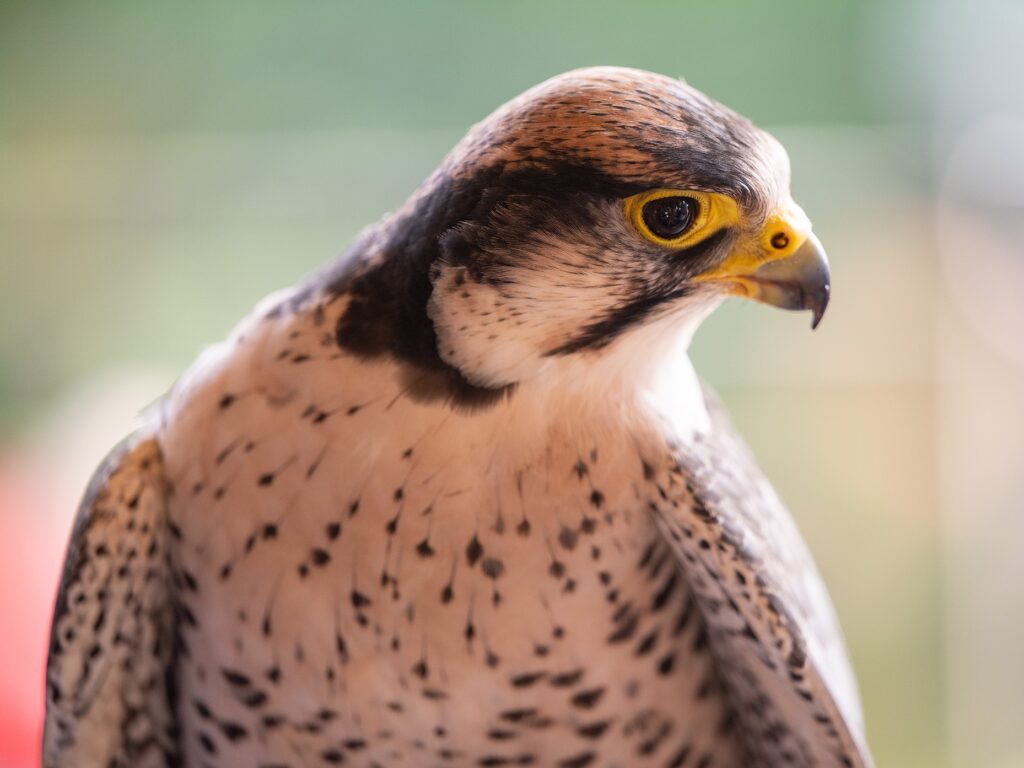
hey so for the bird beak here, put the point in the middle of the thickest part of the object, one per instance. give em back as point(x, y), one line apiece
point(787, 268)
point(800, 281)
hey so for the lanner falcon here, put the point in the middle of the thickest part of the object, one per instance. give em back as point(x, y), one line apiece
point(460, 500)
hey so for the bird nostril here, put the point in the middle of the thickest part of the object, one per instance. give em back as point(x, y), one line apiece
point(780, 240)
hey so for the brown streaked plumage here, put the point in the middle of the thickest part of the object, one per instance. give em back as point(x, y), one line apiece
point(460, 499)
point(637, 128)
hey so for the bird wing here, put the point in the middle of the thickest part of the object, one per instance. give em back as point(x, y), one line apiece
point(774, 633)
point(111, 652)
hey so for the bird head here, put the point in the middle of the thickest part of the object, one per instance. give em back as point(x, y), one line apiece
point(600, 203)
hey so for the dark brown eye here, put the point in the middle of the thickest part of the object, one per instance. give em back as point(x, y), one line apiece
point(669, 217)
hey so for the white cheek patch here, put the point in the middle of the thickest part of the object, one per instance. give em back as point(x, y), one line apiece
point(498, 334)
point(548, 294)
point(490, 340)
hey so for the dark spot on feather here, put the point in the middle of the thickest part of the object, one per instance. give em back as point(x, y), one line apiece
point(474, 550)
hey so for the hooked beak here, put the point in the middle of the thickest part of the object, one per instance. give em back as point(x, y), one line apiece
point(800, 281)
point(785, 266)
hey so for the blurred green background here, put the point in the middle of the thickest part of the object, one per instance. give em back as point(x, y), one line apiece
point(165, 165)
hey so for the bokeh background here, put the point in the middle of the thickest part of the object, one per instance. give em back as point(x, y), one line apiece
point(164, 165)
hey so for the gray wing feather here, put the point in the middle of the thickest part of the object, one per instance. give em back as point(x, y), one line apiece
point(108, 691)
point(776, 640)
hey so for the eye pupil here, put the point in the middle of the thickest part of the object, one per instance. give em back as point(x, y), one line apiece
point(669, 217)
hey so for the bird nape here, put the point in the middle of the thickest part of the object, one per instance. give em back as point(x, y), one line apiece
point(460, 499)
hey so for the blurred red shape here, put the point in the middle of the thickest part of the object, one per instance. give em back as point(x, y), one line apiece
point(32, 542)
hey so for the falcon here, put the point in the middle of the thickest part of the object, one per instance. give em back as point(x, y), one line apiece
point(460, 499)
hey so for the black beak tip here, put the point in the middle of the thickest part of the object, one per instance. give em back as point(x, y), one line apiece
point(817, 302)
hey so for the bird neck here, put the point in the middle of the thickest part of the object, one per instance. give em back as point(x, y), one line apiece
point(645, 375)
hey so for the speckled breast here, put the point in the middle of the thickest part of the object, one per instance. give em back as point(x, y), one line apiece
point(367, 580)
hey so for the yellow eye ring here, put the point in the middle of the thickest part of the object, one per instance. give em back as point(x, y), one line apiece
point(714, 211)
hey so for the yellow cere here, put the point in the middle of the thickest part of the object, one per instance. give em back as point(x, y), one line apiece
point(784, 231)
point(779, 237)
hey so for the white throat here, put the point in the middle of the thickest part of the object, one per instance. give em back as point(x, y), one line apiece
point(644, 374)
